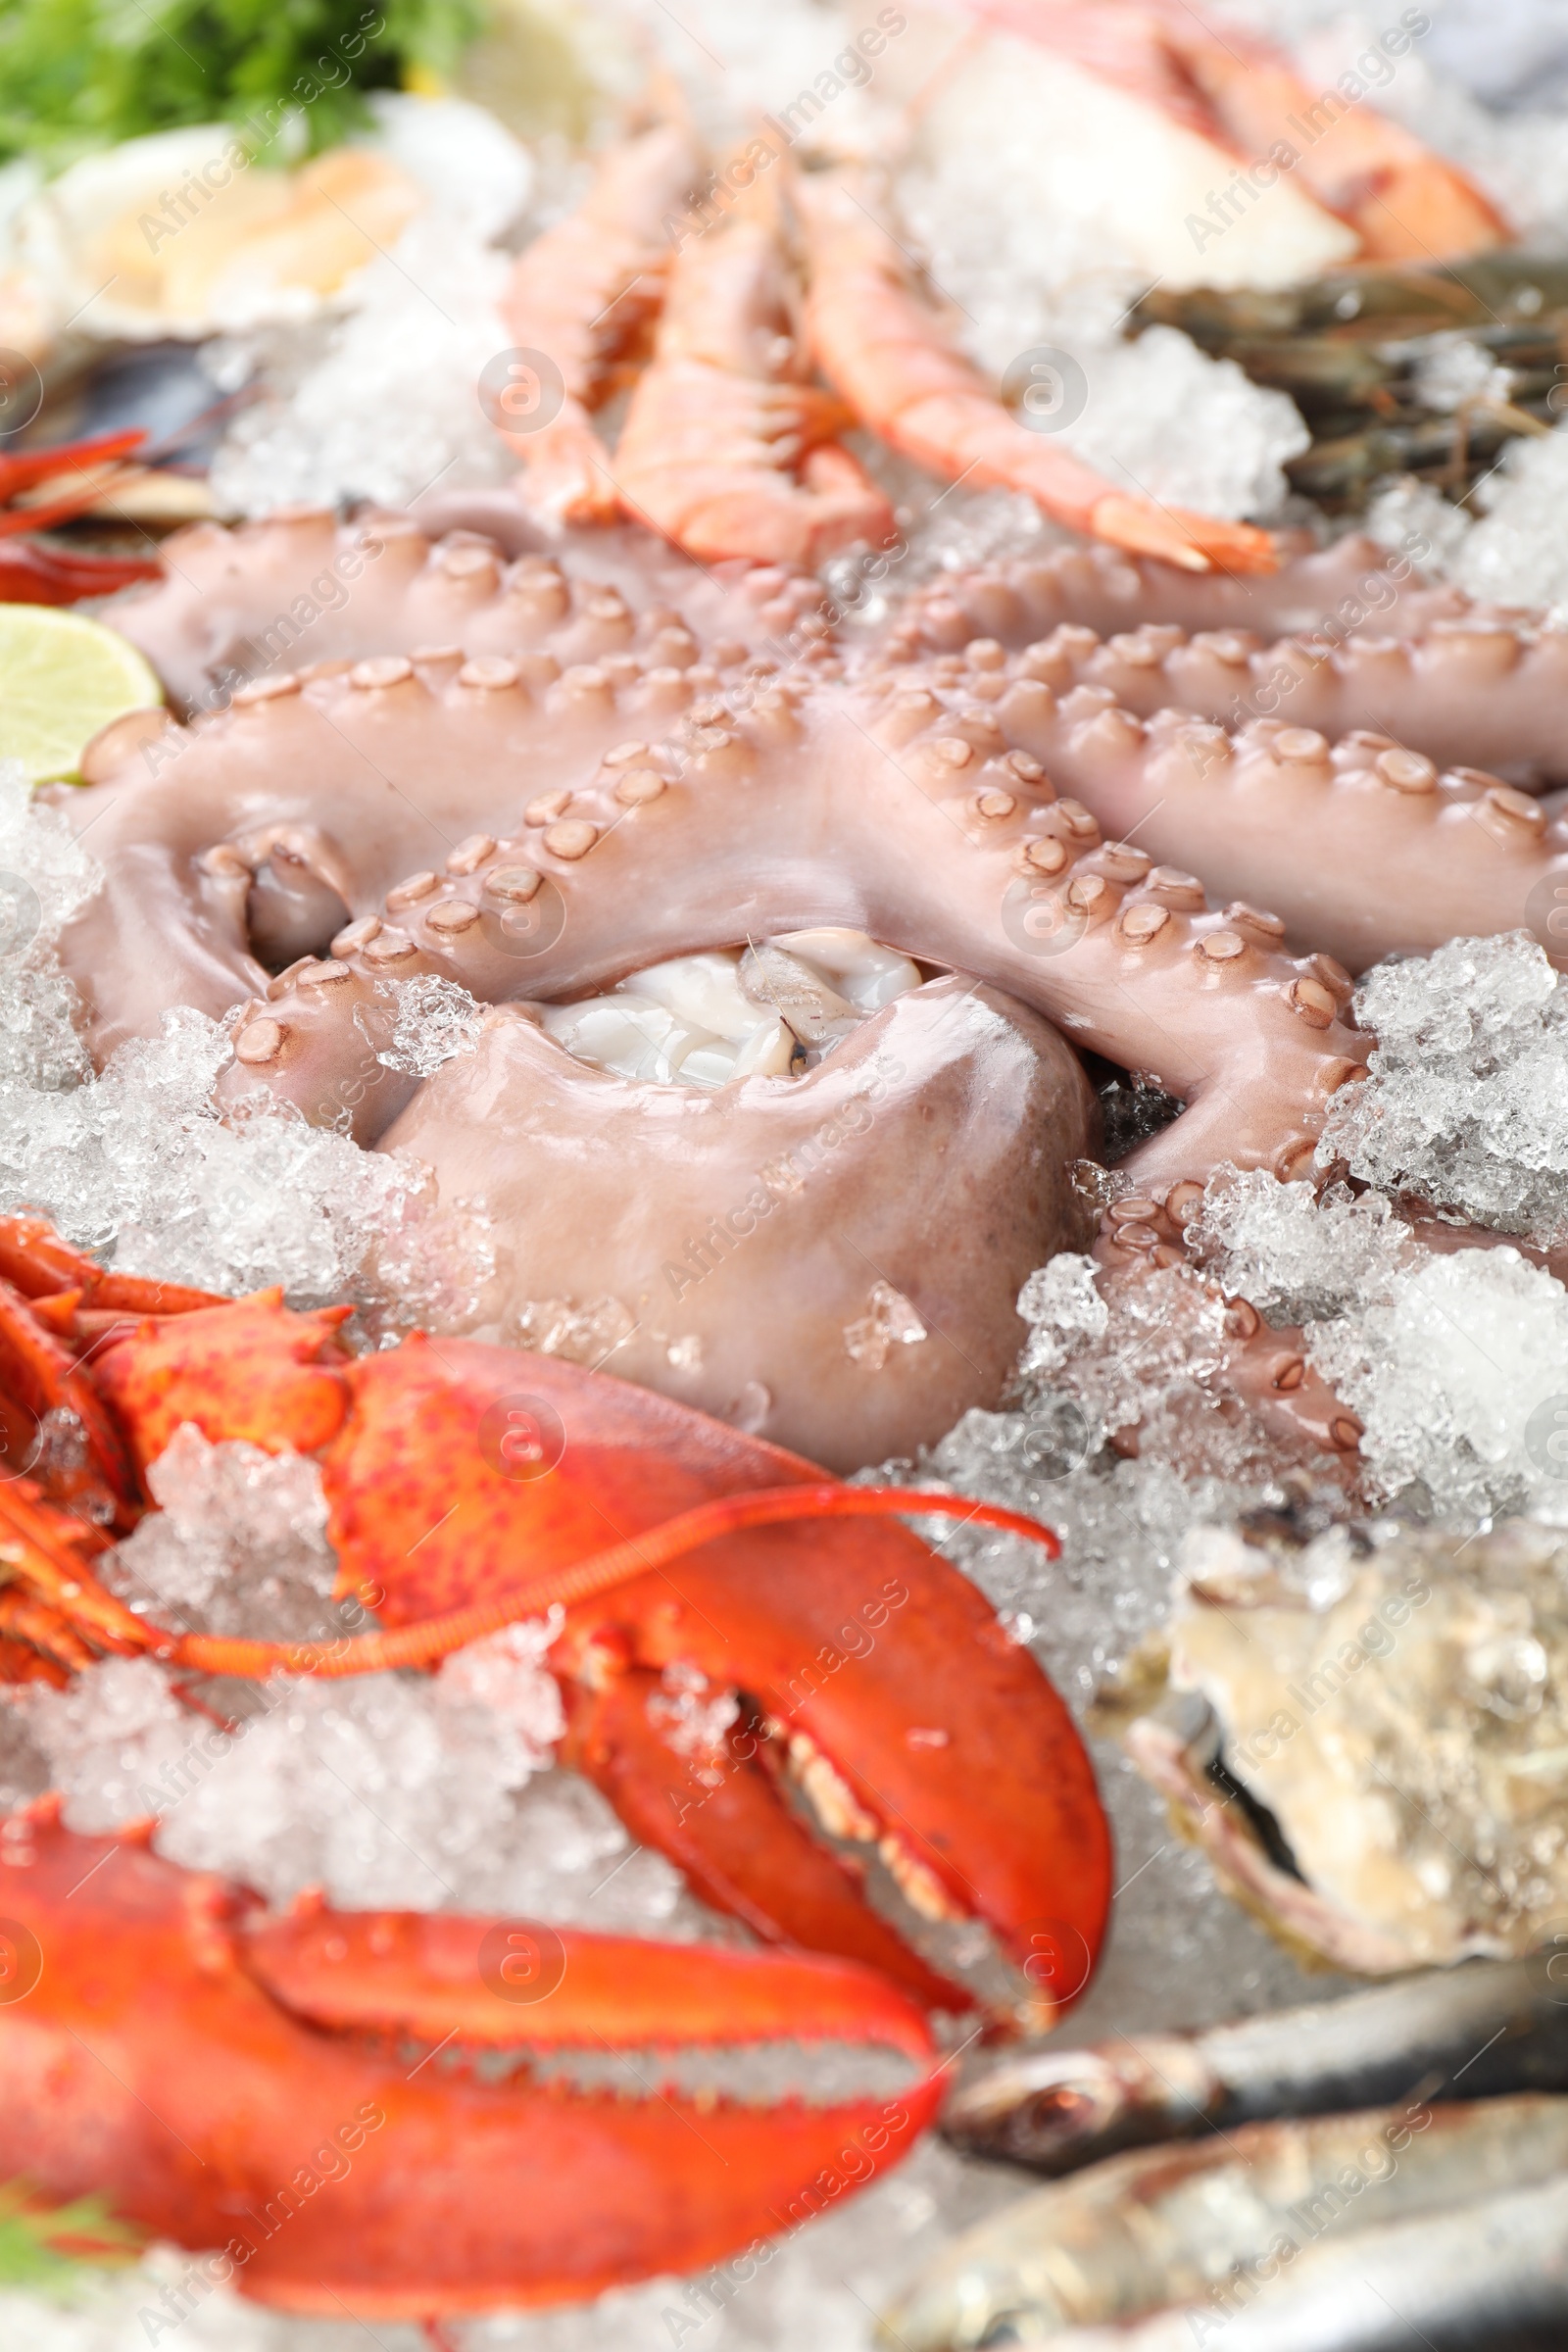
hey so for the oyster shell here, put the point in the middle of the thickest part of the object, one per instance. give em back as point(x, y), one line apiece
point(178, 234)
point(1368, 1734)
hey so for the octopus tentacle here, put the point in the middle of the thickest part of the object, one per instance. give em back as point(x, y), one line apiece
point(1349, 585)
point(1467, 693)
point(1361, 848)
point(656, 824)
point(238, 606)
point(1264, 1367)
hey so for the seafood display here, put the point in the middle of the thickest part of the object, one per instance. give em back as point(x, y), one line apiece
point(790, 976)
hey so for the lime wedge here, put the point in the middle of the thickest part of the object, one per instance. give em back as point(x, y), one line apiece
point(63, 677)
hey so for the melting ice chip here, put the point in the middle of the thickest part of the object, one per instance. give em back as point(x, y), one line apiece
point(891, 1322)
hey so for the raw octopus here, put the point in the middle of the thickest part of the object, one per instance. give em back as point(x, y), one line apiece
point(340, 832)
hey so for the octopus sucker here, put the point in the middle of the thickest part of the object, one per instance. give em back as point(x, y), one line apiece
point(1265, 1371)
point(1475, 691)
point(1278, 813)
point(1353, 584)
point(248, 606)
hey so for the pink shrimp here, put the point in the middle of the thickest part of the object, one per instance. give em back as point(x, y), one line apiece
point(879, 341)
point(582, 294)
point(727, 450)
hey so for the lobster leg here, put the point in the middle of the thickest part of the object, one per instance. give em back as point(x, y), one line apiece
point(40, 1550)
point(35, 1261)
point(36, 1642)
point(43, 1373)
point(26, 468)
point(714, 1813)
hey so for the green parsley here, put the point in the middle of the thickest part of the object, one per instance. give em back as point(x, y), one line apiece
point(81, 74)
point(51, 2250)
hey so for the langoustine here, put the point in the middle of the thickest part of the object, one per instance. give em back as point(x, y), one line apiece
point(727, 449)
point(895, 361)
point(578, 298)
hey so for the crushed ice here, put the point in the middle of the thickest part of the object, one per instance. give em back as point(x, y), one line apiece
point(1157, 414)
point(381, 404)
point(136, 1163)
point(418, 1791)
point(1466, 1107)
point(435, 1020)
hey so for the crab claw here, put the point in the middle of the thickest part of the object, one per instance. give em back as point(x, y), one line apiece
point(395, 2114)
point(469, 1485)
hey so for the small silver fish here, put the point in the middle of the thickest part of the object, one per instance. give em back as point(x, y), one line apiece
point(1375, 2232)
point(1465, 2033)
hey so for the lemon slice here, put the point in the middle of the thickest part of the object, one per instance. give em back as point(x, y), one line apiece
point(63, 677)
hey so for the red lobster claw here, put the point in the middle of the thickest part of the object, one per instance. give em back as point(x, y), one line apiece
point(470, 1485)
point(378, 2113)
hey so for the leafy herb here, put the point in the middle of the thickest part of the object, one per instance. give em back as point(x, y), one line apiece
point(77, 75)
point(49, 2250)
